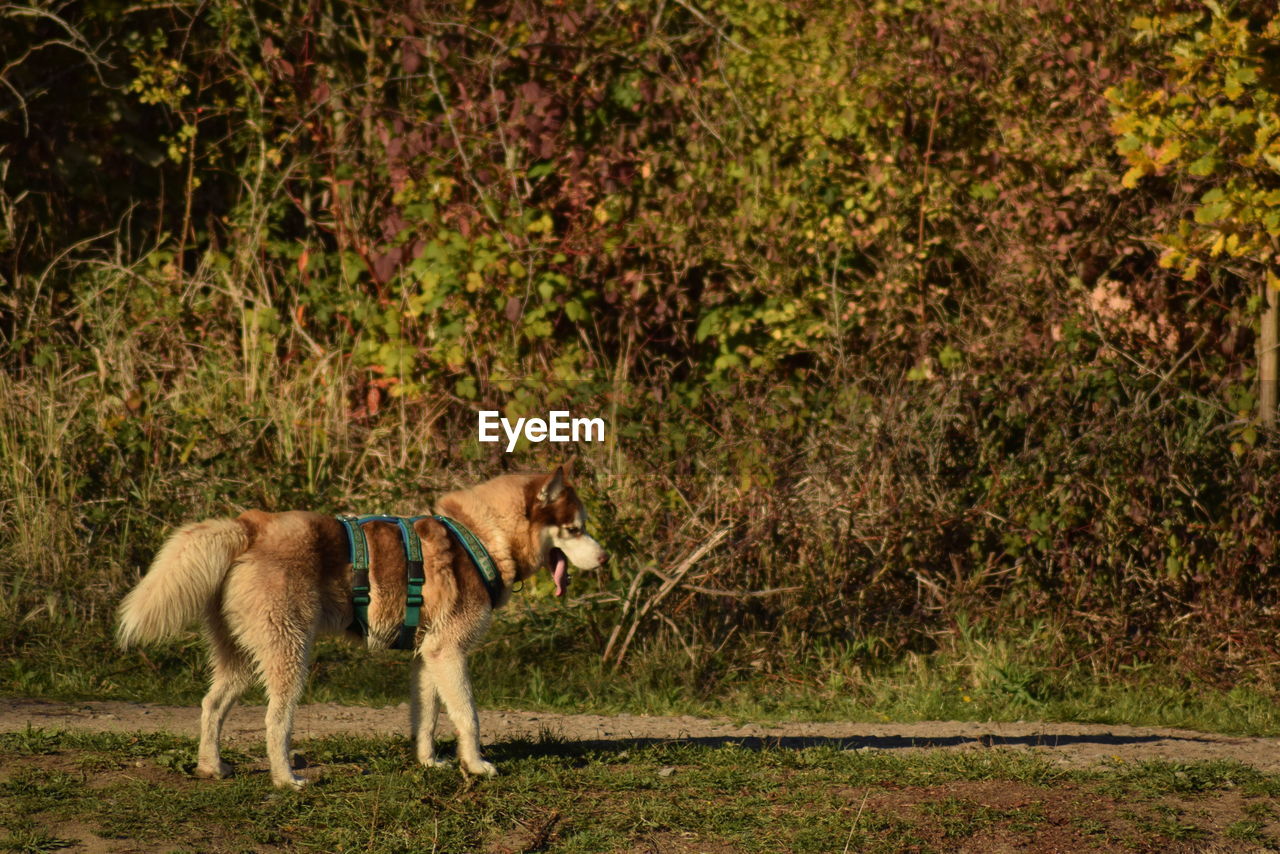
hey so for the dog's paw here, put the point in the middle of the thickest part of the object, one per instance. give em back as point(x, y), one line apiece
point(431, 762)
point(293, 782)
point(480, 768)
point(208, 772)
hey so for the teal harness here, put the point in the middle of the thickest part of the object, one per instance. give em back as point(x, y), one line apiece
point(359, 546)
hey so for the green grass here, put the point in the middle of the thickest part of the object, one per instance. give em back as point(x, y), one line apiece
point(368, 794)
point(541, 658)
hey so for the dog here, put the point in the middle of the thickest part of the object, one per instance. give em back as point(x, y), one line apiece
point(265, 585)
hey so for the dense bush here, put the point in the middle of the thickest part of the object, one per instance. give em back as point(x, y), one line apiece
point(859, 281)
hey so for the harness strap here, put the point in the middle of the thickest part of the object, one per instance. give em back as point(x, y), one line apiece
point(359, 553)
point(479, 556)
point(360, 573)
point(415, 579)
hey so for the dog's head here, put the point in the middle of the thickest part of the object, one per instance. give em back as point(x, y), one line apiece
point(559, 527)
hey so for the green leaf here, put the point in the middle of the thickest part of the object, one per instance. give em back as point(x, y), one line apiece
point(726, 361)
point(1215, 212)
point(949, 357)
point(986, 191)
point(708, 326)
point(1204, 166)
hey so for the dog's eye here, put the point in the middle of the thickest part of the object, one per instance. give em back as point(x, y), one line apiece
point(573, 531)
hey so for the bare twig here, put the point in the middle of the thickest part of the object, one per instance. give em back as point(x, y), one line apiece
point(729, 594)
point(447, 113)
point(627, 604)
point(675, 630)
point(76, 42)
point(704, 19)
point(671, 582)
point(856, 819)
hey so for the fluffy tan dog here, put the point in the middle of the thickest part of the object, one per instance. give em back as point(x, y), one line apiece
point(266, 584)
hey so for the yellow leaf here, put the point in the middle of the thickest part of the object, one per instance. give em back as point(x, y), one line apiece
point(1168, 152)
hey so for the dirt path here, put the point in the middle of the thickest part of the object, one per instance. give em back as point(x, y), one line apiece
point(1071, 744)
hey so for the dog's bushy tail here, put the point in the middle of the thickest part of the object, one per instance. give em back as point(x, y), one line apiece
point(183, 578)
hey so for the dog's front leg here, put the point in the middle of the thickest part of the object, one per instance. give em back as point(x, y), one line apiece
point(424, 709)
point(449, 671)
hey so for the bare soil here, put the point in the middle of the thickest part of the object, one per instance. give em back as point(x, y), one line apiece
point(1072, 744)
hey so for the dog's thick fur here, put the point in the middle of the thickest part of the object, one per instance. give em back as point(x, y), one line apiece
point(266, 584)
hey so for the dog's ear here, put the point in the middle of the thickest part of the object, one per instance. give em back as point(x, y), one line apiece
point(553, 487)
point(567, 466)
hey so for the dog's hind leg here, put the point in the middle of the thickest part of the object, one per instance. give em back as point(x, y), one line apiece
point(448, 669)
point(424, 709)
point(231, 675)
point(284, 670)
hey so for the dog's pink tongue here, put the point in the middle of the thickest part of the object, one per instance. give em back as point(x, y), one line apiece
point(560, 574)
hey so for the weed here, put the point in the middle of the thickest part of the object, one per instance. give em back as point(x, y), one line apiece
point(32, 840)
point(1247, 831)
point(32, 741)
